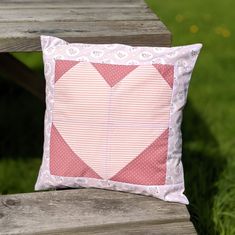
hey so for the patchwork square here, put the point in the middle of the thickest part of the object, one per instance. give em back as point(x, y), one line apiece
point(110, 121)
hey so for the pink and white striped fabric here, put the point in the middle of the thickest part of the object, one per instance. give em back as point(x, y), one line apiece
point(108, 122)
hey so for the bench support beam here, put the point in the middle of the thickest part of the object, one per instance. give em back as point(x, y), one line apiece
point(22, 75)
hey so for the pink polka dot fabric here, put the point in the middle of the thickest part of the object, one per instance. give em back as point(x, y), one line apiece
point(149, 167)
point(113, 73)
point(111, 115)
point(64, 162)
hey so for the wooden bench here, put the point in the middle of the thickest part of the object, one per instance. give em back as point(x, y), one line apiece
point(89, 21)
point(91, 211)
point(82, 211)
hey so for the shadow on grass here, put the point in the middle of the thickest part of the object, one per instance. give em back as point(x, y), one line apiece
point(21, 122)
point(203, 165)
point(21, 145)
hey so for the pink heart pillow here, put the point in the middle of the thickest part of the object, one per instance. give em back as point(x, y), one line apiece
point(113, 117)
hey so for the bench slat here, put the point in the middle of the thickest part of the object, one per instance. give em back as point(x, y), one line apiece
point(21, 36)
point(76, 15)
point(109, 21)
point(84, 29)
point(179, 228)
point(87, 2)
point(90, 211)
point(71, 4)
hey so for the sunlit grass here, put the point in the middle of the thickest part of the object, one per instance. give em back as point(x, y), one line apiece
point(209, 165)
point(18, 175)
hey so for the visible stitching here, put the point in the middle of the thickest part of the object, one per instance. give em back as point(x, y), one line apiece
point(109, 123)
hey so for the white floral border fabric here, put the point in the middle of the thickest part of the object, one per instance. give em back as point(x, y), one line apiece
point(182, 58)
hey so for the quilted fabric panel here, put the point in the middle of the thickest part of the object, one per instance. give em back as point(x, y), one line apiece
point(111, 116)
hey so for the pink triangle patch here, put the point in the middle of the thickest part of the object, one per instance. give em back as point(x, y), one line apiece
point(149, 168)
point(113, 73)
point(62, 66)
point(167, 72)
point(64, 162)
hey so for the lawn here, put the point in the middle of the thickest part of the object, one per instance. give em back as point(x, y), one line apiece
point(208, 125)
point(209, 118)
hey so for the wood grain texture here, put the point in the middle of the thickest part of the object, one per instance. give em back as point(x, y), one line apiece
point(91, 211)
point(76, 14)
point(180, 228)
point(86, 2)
point(23, 4)
point(34, 4)
point(24, 36)
point(110, 21)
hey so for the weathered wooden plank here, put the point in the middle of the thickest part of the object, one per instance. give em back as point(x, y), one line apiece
point(25, 37)
point(64, 6)
point(77, 14)
point(87, 2)
point(33, 44)
point(72, 3)
point(83, 29)
point(178, 228)
point(110, 21)
point(90, 211)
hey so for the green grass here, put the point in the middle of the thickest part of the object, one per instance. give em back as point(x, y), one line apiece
point(208, 126)
point(18, 175)
point(208, 130)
